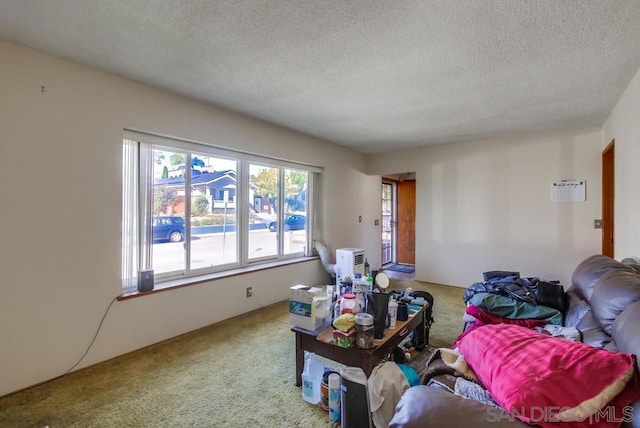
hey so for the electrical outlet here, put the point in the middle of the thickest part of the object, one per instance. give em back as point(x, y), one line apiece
point(249, 291)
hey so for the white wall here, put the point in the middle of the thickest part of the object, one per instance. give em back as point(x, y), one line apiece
point(487, 205)
point(481, 205)
point(61, 163)
point(349, 195)
point(623, 124)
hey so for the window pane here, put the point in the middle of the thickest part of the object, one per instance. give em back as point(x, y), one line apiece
point(263, 200)
point(386, 191)
point(295, 208)
point(387, 215)
point(214, 217)
point(168, 225)
point(183, 216)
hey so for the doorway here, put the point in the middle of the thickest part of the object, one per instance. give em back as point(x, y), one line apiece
point(406, 221)
point(398, 223)
point(388, 222)
point(608, 173)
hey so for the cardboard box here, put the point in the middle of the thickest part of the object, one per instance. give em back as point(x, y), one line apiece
point(304, 293)
point(344, 339)
point(303, 308)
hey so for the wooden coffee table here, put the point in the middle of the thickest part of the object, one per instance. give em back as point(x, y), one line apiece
point(366, 359)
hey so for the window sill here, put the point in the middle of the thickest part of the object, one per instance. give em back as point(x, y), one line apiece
point(186, 282)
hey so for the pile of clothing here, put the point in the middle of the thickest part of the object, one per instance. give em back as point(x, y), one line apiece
point(504, 297)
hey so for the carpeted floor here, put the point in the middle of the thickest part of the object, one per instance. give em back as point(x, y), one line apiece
point(212, 377)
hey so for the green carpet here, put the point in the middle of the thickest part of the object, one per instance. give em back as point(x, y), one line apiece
point(213, 377)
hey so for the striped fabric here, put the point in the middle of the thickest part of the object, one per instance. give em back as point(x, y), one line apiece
point(541, 379)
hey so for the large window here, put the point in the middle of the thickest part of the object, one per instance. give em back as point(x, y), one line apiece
point(184, 215)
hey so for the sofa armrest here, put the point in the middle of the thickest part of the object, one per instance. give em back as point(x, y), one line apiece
point(427, 407)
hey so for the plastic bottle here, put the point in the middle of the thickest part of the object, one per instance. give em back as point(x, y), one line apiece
point(348, 303)
point(393, 313)
point(369, 283)
point(312, 378)
point(336, 309)
point(356, 283)
point(334, 398)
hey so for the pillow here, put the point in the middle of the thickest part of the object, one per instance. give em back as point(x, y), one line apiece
point(542, 380)
point(614, 291)
point(634, 262)
point(588, 272)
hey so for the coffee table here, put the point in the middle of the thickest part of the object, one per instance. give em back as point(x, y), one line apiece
point(366, 359)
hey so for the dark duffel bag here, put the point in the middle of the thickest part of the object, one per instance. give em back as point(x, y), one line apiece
point(548, 293)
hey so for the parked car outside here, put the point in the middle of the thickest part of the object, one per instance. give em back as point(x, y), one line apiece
point(168, 228)
point(291, 222)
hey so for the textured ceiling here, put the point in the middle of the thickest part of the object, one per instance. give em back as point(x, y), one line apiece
point(373, 75)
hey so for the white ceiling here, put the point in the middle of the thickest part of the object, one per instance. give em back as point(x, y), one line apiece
point(373, 75)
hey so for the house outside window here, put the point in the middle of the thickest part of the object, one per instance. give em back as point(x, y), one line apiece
point(182, 215)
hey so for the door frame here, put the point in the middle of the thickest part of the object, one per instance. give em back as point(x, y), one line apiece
point(608, 195)
point(392, 223)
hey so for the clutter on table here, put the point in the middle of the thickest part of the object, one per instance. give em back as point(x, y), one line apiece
point(358, 291)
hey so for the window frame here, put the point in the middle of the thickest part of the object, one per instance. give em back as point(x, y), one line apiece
point(142, 178)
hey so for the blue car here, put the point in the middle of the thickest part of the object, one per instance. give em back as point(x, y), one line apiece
point(169, 228)
point(291, 222)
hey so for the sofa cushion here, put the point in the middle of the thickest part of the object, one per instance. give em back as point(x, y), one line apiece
point(625, 330)
point(591, 331)
point(529, 374)
point(577, 307)
point(613, 293)
point(423, 406)
point(588, 272)
point(633, 262)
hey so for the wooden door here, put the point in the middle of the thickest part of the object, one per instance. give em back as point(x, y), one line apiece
point(607, 199)
point(406, 222)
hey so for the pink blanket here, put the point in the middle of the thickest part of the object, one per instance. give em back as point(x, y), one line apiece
point(540, 379)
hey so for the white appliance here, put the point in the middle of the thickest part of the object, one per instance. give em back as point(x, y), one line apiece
point(349, 261)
